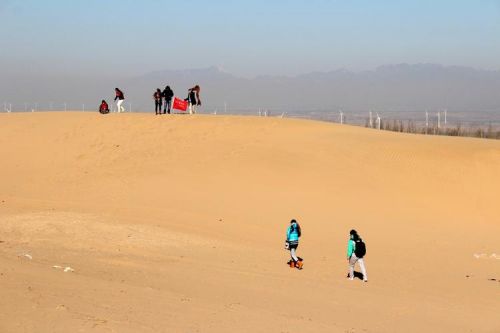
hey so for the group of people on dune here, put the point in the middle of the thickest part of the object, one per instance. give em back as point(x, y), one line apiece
point(161, 99)
point(356, 250)
point(165, 98)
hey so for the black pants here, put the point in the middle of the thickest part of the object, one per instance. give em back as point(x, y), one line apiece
point(293, 251)
point(158, 107)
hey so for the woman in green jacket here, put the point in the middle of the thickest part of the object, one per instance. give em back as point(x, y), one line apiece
point(356, 256)
point(293, 234)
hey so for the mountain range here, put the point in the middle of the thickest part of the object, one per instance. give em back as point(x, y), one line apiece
point(402, 87)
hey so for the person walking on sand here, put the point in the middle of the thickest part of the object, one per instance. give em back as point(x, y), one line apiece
point(356, 250)
point(168, 94)
point(158, 101)
point(120, 97)
point(293, 234)
point(194, 98)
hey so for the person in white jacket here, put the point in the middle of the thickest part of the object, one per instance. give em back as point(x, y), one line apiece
point(120, 97)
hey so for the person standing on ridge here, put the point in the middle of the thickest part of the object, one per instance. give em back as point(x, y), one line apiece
point(293, 234)
point(120, 97)
point(168, 94)
point(158, 101)
point(356, 250)
point(194, 98)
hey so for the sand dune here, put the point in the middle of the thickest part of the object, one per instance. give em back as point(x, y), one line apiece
point(177, 224)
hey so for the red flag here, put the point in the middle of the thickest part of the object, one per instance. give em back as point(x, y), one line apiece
point(180, 104)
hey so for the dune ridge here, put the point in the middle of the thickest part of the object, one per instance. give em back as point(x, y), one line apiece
point(176, 224)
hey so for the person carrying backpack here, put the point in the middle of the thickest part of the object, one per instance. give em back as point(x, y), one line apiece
point(356, 250)
point(104, 107)
point(158, 101)
point(167, 94)
point(293, 234)
point(120, 97)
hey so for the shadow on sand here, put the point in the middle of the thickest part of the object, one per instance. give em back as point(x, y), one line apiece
point(357, 275)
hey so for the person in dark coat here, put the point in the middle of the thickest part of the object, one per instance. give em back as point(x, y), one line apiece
point(168, 94)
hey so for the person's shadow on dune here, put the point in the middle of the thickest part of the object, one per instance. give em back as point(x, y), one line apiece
point(357, 275)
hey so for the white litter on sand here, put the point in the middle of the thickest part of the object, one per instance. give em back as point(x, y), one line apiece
point(486, 256)
point(28, 256)
point(65, 269)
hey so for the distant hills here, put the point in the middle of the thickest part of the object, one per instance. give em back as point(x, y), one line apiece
point(401, 87)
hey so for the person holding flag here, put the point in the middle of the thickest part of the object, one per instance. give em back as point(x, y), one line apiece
point(194, 98)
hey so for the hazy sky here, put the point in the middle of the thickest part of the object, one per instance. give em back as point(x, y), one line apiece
point(246, 38)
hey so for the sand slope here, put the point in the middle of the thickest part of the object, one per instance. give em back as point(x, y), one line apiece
point(176, 224)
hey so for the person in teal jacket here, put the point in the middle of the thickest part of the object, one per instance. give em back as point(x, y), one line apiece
point(293, 234)
point(353, 258)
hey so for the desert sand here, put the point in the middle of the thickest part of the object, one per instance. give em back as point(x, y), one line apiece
point(177, 224)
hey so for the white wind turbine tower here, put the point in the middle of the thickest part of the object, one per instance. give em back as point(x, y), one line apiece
point(445, 112)
point(426, 119)
point(371, 119)
point(379, 120)
point(341, 116)
point(439, 119)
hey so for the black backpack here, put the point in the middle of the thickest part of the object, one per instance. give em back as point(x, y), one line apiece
point(360, 249)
